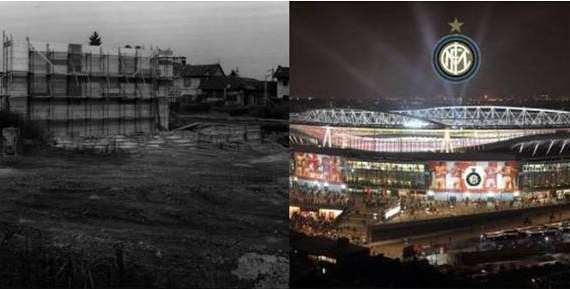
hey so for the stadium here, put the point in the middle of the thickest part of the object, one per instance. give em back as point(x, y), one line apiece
point(457, 154)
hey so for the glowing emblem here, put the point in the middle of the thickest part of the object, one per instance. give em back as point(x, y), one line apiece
point(473, 179)
point(456, 57)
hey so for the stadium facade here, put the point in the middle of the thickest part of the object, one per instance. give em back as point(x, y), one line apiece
point(442, 153)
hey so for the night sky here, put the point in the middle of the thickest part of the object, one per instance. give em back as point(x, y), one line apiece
point(374, 50)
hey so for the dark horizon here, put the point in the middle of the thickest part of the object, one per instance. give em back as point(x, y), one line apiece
point(375, 50)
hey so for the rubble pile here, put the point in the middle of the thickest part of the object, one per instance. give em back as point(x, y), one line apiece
point(267, 271)
point(203, 136)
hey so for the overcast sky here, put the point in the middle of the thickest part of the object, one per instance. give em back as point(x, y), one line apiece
point(371, 50)
point(253, 36)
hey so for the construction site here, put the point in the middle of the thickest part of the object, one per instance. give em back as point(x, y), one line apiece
point(199, 206)
point(173, 215)
point(87, 91)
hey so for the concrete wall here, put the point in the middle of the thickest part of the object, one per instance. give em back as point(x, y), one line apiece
point(91, 117)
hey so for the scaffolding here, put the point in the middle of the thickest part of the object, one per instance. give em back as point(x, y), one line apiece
point(83, 90)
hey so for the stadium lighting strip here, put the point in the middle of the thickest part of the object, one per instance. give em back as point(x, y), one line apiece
point(412, 140)
point(492, 116)
point(356, 117)
point(450, 116)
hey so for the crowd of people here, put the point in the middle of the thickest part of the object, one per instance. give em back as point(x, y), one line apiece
point(318, 198)
point(379, 200)
point(419, 208)
point(315, 225)
point(377, 205)
point(416, 209)
point(312, 224)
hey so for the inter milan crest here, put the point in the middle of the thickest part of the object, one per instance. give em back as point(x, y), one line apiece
point(473, 179)
point(456, 57)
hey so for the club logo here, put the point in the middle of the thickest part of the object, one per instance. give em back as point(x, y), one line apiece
point(473, 178)
point(456, 57)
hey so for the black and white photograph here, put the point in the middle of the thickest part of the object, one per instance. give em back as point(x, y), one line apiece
point(144, 145)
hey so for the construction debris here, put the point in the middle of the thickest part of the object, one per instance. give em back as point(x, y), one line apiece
point(201, 135)
point(267, 271)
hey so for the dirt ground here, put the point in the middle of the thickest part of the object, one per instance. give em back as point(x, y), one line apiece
point(167, 218)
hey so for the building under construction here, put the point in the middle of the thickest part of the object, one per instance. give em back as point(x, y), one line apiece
point(81, 90)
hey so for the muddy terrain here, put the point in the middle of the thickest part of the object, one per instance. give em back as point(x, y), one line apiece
point(194, 217)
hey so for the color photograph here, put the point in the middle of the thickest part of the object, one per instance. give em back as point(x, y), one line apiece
point(449, 125)
point(144, 144)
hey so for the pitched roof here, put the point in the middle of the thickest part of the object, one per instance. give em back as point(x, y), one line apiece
point(233, 83)
point(203, 70)
point(227, 82)
point(282, 72)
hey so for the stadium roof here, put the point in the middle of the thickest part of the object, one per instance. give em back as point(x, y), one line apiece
point(493, 116)
point(449, 116)
point(363, 118)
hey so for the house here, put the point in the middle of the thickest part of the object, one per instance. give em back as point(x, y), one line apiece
point(281, 75)
point(179, 60)
point(237, 91)
point(188, 79)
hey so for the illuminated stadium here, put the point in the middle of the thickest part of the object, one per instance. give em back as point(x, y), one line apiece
point(452, 154)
